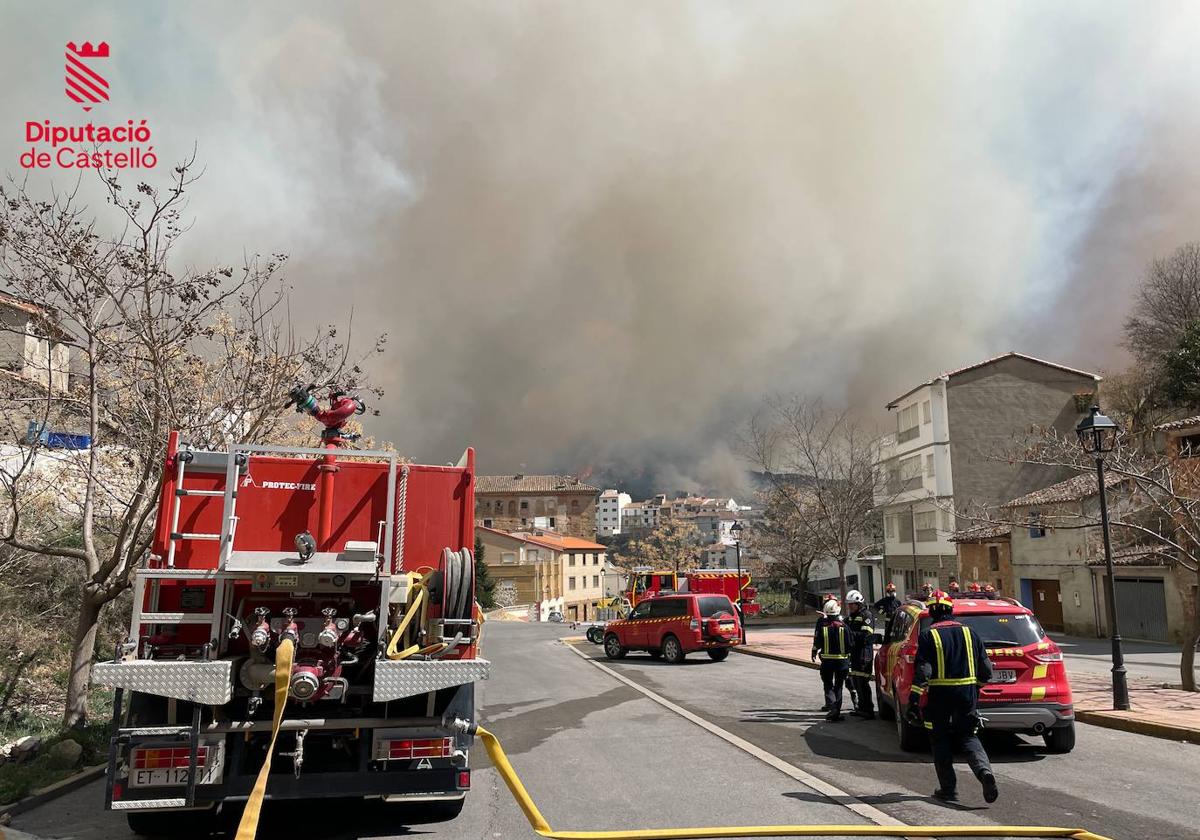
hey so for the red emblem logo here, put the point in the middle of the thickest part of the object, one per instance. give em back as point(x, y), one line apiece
point(84, 84)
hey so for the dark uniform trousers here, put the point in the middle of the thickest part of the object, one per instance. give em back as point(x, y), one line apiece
point(862, 659)
point(950, 712)
point(951, 664)
point(831, 643)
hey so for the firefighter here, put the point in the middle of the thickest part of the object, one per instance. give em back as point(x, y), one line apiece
point(889, 602)
point(861, 625)
point(831, 643)
point(951, 665)
point(975, 589)
point(989, 591)
point(955, 592)
point(926, 591)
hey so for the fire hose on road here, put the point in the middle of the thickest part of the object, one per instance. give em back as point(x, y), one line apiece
point(538, 823)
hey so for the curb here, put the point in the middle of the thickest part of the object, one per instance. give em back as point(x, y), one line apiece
point(778, 657)
point(1139, 727)
point(63, 786)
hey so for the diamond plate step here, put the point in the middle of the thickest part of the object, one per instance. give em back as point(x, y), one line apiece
point(395, 679)
point(209, 683)
point(147, 804)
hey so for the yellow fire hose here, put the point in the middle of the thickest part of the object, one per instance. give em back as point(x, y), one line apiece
point(248, 826)
point(538, 823)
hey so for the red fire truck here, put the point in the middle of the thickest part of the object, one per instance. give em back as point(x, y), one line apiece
point(647, 583)
point(305, 607)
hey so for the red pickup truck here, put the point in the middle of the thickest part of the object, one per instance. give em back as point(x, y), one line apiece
point(672, 626)
point(1029, 692)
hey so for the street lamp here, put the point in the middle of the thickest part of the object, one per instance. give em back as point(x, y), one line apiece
point(736, 530)
point(1098, 436)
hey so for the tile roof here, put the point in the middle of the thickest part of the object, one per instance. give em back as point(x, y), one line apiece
point(521, 483)
point(982, 532)
point(559, 542)
point(1012, 354)
point(1138, 555)
point(1177, 425)
point(1073, 489)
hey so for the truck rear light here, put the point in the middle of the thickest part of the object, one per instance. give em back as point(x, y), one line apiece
point(695, 625)
point(391, 750)
point(165, 757)
point(463, 782)
point(1047, 656)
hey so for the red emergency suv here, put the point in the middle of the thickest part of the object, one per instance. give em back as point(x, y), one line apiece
point(1029, 692)
point(672, 626)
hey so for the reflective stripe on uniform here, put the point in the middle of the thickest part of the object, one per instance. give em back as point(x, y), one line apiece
point(854, 673)
point(940, 671)
point(970, 652)
point(917, 689)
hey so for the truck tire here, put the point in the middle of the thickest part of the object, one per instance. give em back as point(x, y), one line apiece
point(1061, 739)
point(179, 823)
point(613, 648)
point(910, 737)
point(595, 635)
point(884, 705)
point(672, 650)
point(718, 654)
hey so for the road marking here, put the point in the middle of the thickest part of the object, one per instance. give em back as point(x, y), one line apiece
point(835, 794)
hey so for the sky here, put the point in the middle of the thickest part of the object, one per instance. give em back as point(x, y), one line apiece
point(599, 233)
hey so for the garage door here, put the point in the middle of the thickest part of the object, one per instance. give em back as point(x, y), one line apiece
point(1143, 608)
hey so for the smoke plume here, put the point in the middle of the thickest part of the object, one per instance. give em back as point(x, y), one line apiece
point(598, 233)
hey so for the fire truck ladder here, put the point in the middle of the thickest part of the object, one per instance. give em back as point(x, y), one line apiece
point(205, 462)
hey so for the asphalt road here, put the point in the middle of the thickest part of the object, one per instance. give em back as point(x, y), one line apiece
point(597, 753)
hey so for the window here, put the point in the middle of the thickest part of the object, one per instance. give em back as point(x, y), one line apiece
point(926, 414)
point(487, 523)
point(570, 583)
point(551, 521)
point(711, 605)
point(642, 610)
point(929, 465)
point(668, 607)
point(524, 505)
point(595, 559)
point(889, 524)
point(1036, 529)
point(571, 560)
point(994, 558)
point(926, 522)
point(910, 473)
point(508, 557)
point(574, 504)
point(947, 521)
point(595, 580)
point(904, 520)
point(907, 425)
point(1189, 446)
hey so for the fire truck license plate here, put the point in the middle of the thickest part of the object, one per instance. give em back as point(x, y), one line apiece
point(210, 772)
point(172, 776)
point(1004, 675)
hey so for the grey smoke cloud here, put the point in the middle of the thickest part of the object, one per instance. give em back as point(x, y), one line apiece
point(598, 233)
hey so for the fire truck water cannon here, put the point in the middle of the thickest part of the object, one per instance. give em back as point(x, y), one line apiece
point(342, 406)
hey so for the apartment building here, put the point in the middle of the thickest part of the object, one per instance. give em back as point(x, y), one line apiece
point(608, 512)
point(560, 503)
point(946, 455)
point(552, 572)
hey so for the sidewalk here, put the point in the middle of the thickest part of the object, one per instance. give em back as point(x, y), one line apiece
point(1154, 710)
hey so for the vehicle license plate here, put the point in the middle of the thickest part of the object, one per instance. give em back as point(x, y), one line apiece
point(1004, 675)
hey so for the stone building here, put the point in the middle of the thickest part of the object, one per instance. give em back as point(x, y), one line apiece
point(524, 502)
point(551, 572)
point(985, 556)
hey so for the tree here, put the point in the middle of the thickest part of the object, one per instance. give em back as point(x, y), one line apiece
point(1179, 369)
point(671, 545)
point(485, 587)
point(823, 465)
point(782, 535)
point(1156, 507)
point(153, 346)
point(1166, 304)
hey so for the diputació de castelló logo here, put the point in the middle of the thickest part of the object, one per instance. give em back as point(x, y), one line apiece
point(88, 145)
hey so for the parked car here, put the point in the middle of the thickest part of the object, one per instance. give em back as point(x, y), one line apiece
point(672, 626)
point(555, 616)
point(1029, 692)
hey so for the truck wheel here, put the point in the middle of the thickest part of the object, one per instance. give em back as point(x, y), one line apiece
point(1060, 739)
point(171, 823)
point(911, 738)
point(612, 647)
point(672, 650)
point(595, 635)
point(718, 654)
point(886, 710)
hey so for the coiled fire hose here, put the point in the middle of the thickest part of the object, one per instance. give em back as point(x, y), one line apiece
point(538, 823)
point(248, 826)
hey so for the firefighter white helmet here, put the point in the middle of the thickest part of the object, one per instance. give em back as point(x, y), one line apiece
point(831, 609)
point(855, 597)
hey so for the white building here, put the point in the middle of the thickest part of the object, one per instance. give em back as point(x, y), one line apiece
point(608, 512)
